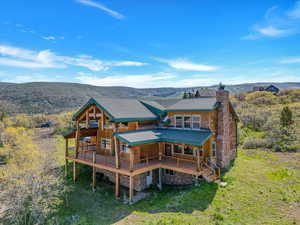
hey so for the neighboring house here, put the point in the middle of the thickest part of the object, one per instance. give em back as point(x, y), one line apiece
point(271, 88)
point(137, 144)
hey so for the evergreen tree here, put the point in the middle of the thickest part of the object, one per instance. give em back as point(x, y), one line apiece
point(286, 117)
point(185, 95)
point(3, 116)
point(197, 95)
point(191, 95)
point(287, 135)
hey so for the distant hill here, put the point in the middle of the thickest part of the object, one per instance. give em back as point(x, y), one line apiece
point(52, 97)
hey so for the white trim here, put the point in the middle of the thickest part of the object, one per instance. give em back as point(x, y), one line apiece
point(108, 140)
point(126, 147)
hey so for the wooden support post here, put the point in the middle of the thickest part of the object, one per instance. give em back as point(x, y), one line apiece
point(130, 189)
point(94, 112)
point(97, 141)
point(147, 157)
point(77, 139)
point(131, 159)
point(177, 162)
point(102, 120)
point(74, 172)
point(87, 118)
point(94, 171)
point(117, 191)
point(159, 179)
point(218, 171)
point(198, 159)
point(159, 151)
point(66, 155)
point(117, 157)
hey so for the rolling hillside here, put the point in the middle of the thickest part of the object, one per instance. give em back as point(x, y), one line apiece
point(44, 97)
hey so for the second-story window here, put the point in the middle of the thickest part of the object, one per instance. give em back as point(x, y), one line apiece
point(196, 121)
point(105, 143)
point(124, 148)
point(178, 121)
point(188, 121)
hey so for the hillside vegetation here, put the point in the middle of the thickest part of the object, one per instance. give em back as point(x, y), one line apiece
point(261, 119)
point(42, 97)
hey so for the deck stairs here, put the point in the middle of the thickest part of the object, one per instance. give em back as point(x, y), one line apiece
point(209, 174)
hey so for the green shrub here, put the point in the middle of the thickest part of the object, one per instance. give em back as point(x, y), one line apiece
point(254, 143)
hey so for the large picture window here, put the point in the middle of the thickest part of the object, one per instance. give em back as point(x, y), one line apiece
point(105, 143)
point(178, 149)
point(188, 150)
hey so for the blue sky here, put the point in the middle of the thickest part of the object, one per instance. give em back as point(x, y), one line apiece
point(150, 43)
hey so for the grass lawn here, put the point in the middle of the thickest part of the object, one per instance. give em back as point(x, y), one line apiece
point(263, 188)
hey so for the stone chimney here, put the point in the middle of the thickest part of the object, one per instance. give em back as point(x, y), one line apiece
point(223, 135)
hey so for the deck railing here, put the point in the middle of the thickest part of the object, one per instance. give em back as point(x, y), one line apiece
point(86, 153)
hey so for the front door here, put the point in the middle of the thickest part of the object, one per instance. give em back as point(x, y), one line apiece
point(149, 178)
point(168, 150)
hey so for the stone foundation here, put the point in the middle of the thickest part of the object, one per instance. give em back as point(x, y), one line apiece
point(139, 181)
point(177, 179)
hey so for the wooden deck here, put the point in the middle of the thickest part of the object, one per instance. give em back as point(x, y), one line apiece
point(108, 163)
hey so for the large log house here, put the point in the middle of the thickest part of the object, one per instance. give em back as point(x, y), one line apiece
point(141, 143)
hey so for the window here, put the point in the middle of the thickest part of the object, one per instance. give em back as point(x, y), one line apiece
point(188, 150)
point(124, 124)
point(178, 149)
point(105, 143)
point(178, 121)
point(200, 150)
point(187, 122)
point(196, 121)
point(169, 172)
point(214, 149)
point(124, 148)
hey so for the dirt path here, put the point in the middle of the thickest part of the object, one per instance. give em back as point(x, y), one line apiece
point(44, 139)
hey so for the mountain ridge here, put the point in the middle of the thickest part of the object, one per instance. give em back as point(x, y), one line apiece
point(54, 97)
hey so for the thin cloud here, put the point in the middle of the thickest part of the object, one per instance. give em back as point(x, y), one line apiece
point(273, 32)
point(184, 64)
point(295, 12)
point(138, 81)
point(24, 58)
point(276, 23)
point(290, 60)
point(49, 38)
point(110, 12)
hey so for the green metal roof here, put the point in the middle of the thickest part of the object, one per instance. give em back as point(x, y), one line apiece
point(120, 110)
point(125, 110)
point(194, 105)
point(138, 137)
point(203, 104)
